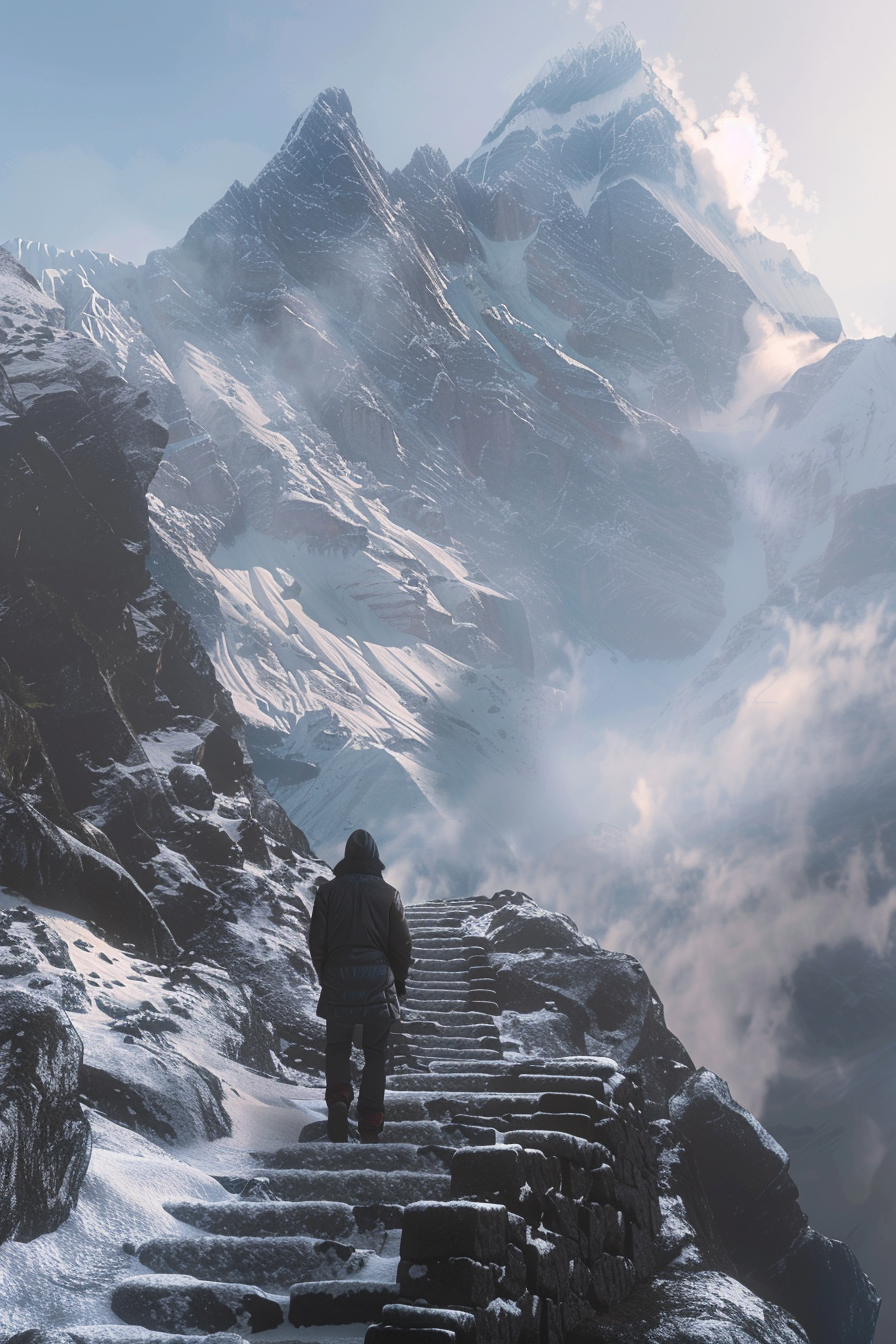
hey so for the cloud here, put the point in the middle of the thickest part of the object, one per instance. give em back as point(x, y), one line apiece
point(725, 862)
point(771, 358)
point(74, 198)
point(592, 11)
point(859, 328)
point(739, 162)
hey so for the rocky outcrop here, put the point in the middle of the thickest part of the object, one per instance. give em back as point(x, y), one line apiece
point(127, 794)
point(754, 1204)
point(44, 1136)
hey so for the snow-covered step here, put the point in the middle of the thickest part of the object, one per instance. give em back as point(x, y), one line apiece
point(129, 1334)
point(424, 979)
point(428, 1045)
point(435, 1004)
point(178, 1302)
point(450, 1019)
point(442, 1083)
point(495, 1066)
point(446, 963)
point(341, 1302)
point(400, 1155)
point(362, 1225)
point(353, 1187)
point(453, 1053)
point(478, 1031)
point(269, 1262)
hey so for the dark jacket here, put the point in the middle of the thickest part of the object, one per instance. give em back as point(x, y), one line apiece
point(360, 946)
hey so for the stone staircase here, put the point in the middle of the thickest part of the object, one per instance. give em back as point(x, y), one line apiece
point(509, 1200)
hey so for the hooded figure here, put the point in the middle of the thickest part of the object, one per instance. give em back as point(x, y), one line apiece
point(360, 947)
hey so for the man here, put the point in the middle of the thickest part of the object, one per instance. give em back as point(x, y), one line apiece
point(360, 947)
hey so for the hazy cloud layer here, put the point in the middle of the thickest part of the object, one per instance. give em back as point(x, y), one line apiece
point(722, 863)
point(719, 872)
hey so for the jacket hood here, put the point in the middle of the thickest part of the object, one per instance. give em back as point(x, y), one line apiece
point(361, 853)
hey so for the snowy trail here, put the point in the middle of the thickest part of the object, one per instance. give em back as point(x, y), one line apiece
point(493, 1167)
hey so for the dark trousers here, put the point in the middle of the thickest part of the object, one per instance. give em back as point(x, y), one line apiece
point(374, 1040)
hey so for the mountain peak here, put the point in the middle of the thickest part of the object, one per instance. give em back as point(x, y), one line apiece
point(578, 76)
point(330, 105)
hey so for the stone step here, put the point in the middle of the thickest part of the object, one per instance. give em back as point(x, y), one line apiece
point(268, 1262)
point(427, 1045)
point(426, 996)
point(496, 1066)
point(118, 1334)
point(460, 1017)
point(442, 1083)
point(361, 1226)
point(178, 1303)
point(451, 1054)
point(545, 1082)
point(437, 1133)
point(441, 1107)
point(452, 977)
point(432, 1030)
point(448, 983)
point(425, 1133)
point(460, 964)
point(353, 1187)
point(575, 1066)
point(339, 1302)
point(431, 1003)
point(318, 1154)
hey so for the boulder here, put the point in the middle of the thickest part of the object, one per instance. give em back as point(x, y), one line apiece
point(754, 1204)
point(44, 1136)
point(191, 787)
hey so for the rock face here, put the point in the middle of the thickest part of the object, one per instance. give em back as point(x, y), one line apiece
point(44, 1136)
point(127, 795)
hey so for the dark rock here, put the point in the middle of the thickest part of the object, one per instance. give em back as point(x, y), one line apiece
point(191, 785)
point(754, 1204)
point(455, 1282)
point(821, 1284)
point(744, 1173)
point(433, 1231)
point(44, 1137)
point(488, 1173)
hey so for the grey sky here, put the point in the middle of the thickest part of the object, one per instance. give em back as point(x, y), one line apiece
point(123, 119)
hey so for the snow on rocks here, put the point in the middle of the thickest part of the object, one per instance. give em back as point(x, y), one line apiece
point(45, 1138)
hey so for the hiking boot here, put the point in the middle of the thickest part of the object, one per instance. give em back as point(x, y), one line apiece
point(338, 1101)
point(370, 1125)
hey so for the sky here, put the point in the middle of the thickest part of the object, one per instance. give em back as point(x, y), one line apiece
point(123, 120)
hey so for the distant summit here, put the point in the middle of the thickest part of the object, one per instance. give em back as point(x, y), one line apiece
point(582, 74)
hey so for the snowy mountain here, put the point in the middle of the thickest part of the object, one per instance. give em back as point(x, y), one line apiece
point(398, 479)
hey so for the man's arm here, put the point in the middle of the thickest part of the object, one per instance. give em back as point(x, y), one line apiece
point(399, 953)
point(317, 931)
